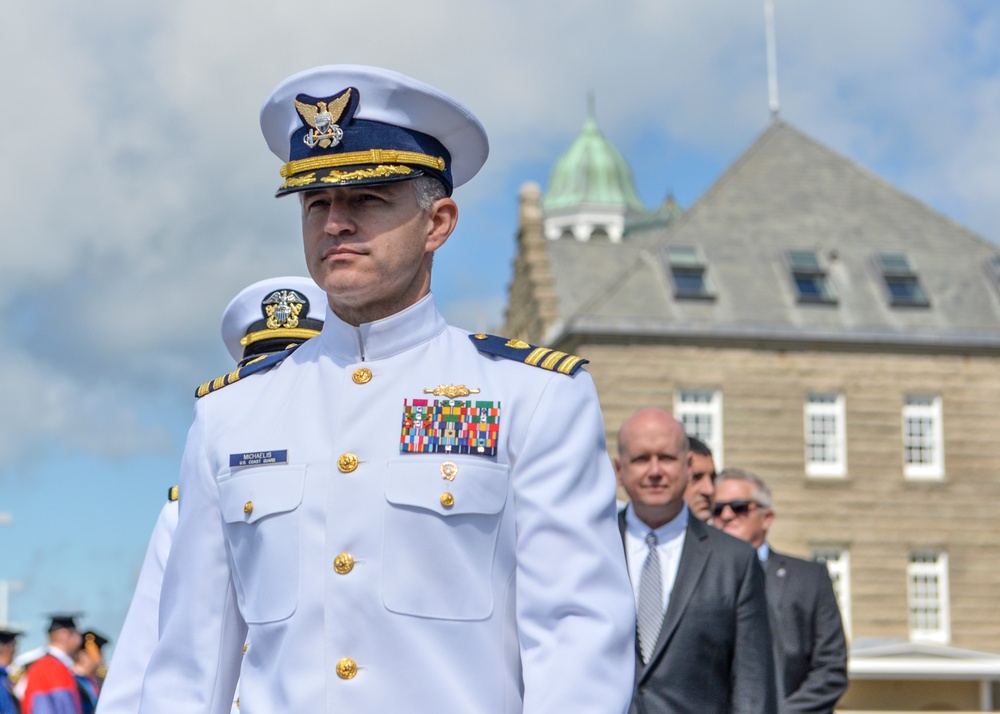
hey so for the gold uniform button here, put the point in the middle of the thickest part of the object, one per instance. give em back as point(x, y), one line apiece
point(362, 375)
point(248, 507)
point(347, 668)
point(447, 500)
point(246, 647)
point(343, 563)
point(347, 463)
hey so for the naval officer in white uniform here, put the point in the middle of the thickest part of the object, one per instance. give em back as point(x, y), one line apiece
point(248, 331)
point(408, 518)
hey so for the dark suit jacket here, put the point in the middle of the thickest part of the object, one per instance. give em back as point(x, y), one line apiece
point(714, 652)
point(810, 650)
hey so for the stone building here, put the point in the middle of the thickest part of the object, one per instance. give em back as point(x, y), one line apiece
point(815, 325)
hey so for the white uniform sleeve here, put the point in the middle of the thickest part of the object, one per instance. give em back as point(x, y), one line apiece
point(195, 665)
point(575, 607)
point(120, 691)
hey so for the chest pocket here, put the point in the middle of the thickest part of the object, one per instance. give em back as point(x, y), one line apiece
point(440, 537)
point(259, 507)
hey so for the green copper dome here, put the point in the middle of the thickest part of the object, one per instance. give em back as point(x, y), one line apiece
point(591, 173)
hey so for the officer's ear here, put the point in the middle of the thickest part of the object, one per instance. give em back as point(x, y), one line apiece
point(441, 221)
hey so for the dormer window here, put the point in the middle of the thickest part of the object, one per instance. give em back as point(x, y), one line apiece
point(809, 277)
point(688, 273)
point(993, 267)
point(901, 281)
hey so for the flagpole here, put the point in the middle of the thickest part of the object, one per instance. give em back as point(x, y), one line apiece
point(772, 60)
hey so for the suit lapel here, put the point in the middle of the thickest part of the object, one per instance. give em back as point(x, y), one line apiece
point(776, 579)
point(694, 558)
point(777, 576)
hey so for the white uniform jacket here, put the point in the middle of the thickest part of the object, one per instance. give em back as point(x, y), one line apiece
point(120, 691)
point(377, 580)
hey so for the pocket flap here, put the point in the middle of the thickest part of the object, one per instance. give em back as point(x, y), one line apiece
point(476, 487)
point(256, 493)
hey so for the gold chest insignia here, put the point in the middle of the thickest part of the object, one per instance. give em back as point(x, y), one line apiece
point(451, 391)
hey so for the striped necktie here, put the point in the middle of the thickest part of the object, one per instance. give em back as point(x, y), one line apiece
point(650, 612)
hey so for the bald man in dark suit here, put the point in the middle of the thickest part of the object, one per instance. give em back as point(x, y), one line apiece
point(705, 647)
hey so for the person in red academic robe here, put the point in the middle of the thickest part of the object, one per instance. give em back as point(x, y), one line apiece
point(51, 687)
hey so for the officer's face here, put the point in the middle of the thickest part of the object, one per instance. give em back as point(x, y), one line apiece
point(370, 247)
point(653, 465)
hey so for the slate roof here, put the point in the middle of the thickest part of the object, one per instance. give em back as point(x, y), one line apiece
point(786, 192)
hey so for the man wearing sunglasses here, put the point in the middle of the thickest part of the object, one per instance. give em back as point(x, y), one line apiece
point(810, 650)
point(703, 642)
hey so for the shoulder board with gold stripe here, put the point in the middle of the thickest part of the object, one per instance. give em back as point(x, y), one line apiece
point(258, 365)
point(520, 351)
point(173, 493)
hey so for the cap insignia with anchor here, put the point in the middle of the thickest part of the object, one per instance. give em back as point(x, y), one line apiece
point(284, 317)
point(343, 125)
point(271, 315)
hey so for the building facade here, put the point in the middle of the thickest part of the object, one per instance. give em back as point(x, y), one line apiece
point(817, 326)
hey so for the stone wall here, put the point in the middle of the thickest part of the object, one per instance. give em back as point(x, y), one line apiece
point(874, 512)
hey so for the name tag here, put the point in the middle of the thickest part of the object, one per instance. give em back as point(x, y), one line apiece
point(258, 458)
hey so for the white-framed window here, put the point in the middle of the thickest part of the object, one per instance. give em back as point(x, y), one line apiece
point(838, 564)
point(825, 435)
point(700, 413)
point(923, 441)
point(927, 596)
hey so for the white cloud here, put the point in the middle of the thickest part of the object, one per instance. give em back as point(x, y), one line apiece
point(47, 411)
point(135, 195)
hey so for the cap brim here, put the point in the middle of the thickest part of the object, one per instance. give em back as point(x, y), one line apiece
point(349, 176)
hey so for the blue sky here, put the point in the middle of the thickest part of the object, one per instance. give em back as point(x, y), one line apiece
point(135, 193)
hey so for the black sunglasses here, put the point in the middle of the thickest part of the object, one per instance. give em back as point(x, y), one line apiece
point(739, 508)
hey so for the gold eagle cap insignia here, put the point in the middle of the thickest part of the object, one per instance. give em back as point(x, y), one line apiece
point(323, 118)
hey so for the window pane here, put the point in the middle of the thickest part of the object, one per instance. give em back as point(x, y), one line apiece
point(927, 595)
point(690, 282)
point(804, 260)
point(700, 413)
point(894, 263)
point(811, 286)
point(683, 255)
point(905, 289)
point(826, 451)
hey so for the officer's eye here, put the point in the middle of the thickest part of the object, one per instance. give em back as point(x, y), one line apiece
point(317, 203)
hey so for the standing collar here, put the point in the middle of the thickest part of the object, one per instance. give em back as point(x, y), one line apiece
point(383, 338)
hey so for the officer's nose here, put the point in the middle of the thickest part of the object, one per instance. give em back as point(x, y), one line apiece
point(339, 220)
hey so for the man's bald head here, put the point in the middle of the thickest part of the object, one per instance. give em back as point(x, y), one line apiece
point(652, 418)
point(653, 464)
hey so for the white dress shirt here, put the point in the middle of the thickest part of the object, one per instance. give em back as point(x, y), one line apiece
point(670, 541)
